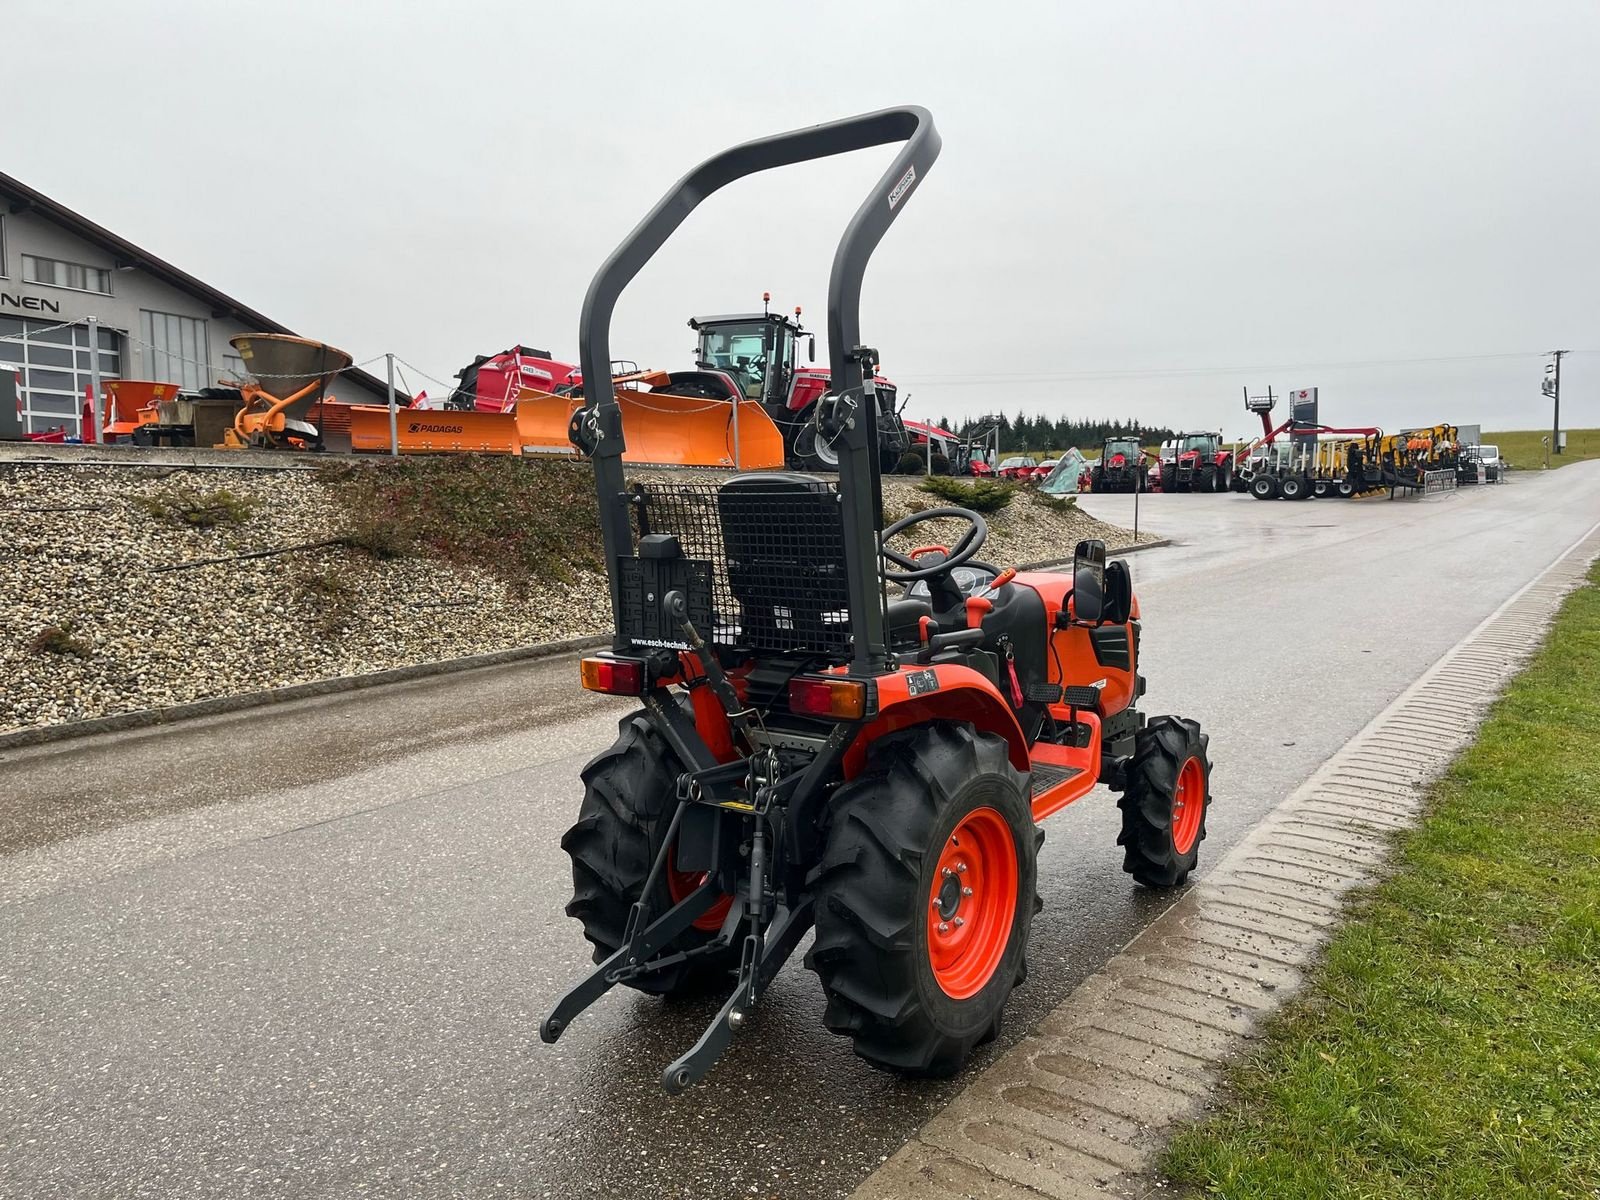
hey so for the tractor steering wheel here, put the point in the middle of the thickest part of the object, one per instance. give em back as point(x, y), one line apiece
point(971, 542)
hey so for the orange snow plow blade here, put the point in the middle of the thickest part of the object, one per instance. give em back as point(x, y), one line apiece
point(433, 431)
point(675, 431)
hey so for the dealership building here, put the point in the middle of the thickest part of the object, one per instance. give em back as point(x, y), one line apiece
point(152, 321)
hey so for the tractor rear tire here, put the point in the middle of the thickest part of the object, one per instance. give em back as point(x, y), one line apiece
point(629, 796)
point(1166, 802)
point(925, 898)
point(1097, 481)
point(1264, 487)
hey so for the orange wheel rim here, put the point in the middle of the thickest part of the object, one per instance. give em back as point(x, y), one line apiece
point(1188, 805)
point(681, 883)
point(972, 903)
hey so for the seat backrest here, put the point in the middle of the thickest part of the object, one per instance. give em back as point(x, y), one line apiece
point(783, 535)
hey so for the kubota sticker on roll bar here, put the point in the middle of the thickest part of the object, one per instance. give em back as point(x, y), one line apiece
point(904, 186)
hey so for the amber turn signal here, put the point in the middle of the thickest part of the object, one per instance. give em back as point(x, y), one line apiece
point(614, 676)
point(841, 699)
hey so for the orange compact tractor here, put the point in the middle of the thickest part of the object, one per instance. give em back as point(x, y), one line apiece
point(838, 728)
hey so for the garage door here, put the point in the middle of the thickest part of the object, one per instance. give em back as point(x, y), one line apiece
point(54, 364)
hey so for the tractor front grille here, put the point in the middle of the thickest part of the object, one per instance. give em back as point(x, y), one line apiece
point(775, 547)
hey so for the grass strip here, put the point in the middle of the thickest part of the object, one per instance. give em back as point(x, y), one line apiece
point(1449, 1044)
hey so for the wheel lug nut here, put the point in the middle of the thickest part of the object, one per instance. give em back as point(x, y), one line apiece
point(961, 868)
point(936, 902)
point(948, 873)
point(960, 921)
point(943, 927)
point(966, 891)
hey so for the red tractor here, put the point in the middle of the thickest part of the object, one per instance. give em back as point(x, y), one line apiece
point(1121, 467)
point(1196, 462)
point(756, 354)
point(807, 752)
point(749, 356)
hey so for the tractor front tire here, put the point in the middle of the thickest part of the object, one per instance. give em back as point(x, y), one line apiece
point(925, 898)
point(1166, 802)
point(813, 452)
point(629, 796)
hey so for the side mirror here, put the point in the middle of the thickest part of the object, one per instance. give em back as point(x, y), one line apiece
point(811, 348)
point(1089, 581)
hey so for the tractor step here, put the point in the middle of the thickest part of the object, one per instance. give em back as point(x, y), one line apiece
point(1062, 774)
point(1046, 776)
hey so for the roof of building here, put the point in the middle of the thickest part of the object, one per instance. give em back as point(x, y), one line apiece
point(124, 253)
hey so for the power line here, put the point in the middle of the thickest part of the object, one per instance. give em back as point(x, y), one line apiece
point(1027, 377)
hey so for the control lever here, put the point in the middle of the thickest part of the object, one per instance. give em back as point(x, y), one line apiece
point(956, 639)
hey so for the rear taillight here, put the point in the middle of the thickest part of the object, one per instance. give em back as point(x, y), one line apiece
point(614, 676)
point(839, 699)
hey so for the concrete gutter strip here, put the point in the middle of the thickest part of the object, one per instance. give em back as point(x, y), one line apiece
point(148, 717)
point(1083, 1105)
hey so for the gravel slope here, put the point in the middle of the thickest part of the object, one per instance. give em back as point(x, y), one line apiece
point(79, 552)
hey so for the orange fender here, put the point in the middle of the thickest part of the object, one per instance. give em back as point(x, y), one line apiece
point(959, 694)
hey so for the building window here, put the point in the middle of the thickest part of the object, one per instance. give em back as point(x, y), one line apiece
point(53, 272)
point(54, 363)
point(176, 349)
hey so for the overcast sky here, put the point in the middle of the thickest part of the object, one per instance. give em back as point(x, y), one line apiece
point(1140, 208)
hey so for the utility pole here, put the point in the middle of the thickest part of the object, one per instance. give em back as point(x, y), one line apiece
point(1552, 388)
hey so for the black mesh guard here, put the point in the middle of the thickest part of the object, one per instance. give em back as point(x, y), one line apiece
point(775, 543)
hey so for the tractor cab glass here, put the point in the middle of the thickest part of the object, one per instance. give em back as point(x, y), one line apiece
point(753, 352)
point(1197, 441)
point(1127, 447)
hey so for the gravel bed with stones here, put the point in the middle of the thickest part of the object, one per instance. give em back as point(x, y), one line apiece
point(91, 625)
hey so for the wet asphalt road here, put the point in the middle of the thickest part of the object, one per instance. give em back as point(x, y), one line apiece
point(304, 951)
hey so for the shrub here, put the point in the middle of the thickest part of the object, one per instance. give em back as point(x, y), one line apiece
point(58, 639)
point(329, 583)
point(518, 519)
point(912, 462)
point(1055, 504)
point(183, 505)
point(980, 495)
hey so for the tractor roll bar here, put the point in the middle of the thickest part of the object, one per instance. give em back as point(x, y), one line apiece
point(858, 459)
